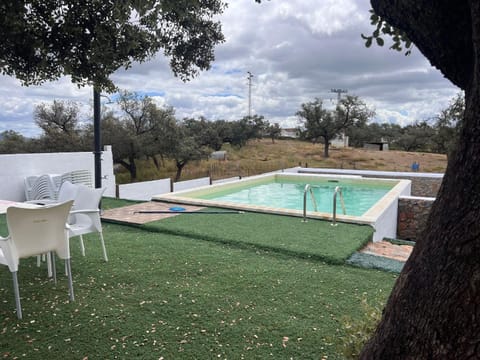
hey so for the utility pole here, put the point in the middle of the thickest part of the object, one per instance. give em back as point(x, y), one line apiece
point(249, 79)
point(339, 93)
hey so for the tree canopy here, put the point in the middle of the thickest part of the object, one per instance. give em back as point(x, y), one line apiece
point(319, 122)
point(89, 40)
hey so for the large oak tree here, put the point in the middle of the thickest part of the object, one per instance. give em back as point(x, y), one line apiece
point(91, 39)
point(434, 309)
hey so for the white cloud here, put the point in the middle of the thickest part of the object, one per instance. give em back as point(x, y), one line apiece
point(296, 49)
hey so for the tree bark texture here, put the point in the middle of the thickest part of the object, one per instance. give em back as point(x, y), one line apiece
point(434, 309)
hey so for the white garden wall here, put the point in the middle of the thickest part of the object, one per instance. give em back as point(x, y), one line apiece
point(15, 167)
point(144, 190)
point(190, 184)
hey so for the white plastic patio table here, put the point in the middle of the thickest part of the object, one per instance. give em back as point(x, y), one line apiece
point(4, 204)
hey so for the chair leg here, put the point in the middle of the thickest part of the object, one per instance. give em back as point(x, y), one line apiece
point(54, 268)
point(70, 281)
point(103, 246)
point(48, 258)
point(82, 245)
point(17, 295)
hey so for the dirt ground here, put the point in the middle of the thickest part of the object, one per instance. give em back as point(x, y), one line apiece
point(388, 160)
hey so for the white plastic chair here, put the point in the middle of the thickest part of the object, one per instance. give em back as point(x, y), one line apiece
point(36, 231)
point(85, 218)
point(68, 191)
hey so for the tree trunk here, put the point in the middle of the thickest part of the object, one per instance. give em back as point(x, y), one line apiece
point(434, 309)
point(155, 162)
point(326, 146)
point(180, 166)
point(131, 167)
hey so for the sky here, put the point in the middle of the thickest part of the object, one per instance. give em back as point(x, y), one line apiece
point(297, 50)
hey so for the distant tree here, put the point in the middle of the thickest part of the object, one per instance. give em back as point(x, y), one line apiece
point(258, 126)
point(141, 124)
point(224, 130)
point(59, 122)
point(351, 110)
point(12, 142)
point(205, 132)
point(447, 126)
point(319, 123)
point(115, 133)
point(415, 137)
point(390, 132)
point(240, 131)
point(185, 148)
point(274, 131)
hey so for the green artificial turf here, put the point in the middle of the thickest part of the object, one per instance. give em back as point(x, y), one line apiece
point(289, 235)
point(180, 297)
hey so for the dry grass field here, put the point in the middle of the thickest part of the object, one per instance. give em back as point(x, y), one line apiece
point(260, 156)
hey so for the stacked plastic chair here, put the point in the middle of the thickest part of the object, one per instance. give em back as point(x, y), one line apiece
point(78, 177)
point(40, 188)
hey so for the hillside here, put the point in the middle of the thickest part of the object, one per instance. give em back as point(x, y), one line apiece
point(260, 156)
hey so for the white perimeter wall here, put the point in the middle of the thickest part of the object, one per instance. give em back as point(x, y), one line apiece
point(15, 167)
point(144, 190)
point(191, 184)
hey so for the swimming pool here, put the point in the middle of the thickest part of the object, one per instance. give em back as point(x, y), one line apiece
point(288, 193)
point(367, 200)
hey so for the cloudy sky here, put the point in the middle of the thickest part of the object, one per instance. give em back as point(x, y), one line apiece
point(296, 49)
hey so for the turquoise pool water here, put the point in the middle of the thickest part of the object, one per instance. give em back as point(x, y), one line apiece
point(287, 194)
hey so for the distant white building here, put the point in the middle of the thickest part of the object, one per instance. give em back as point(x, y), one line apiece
point(289, 133)
point(340, 141)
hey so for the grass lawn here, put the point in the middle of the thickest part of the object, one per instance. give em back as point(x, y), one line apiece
point(315, 239)
point(192, 287)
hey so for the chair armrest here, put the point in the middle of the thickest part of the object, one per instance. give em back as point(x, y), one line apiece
point(42, 202)
point(84, 211)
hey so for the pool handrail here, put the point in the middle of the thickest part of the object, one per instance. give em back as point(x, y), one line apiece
point(308, 188)
point(338, 189)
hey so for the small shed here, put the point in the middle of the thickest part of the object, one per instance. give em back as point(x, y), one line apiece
point(380, 146)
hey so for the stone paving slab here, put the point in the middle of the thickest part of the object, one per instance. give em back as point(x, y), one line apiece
point(129, 214)
point(389, 250)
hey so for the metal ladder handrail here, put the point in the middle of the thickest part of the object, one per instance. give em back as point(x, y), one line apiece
point(338, 189)
point(308, 188)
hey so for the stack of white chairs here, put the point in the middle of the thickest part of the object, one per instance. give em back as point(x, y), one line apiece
point(40, 188)
point(78, 177)
point(45, 189)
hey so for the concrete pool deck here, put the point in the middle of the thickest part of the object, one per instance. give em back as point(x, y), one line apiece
point(130, 215)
